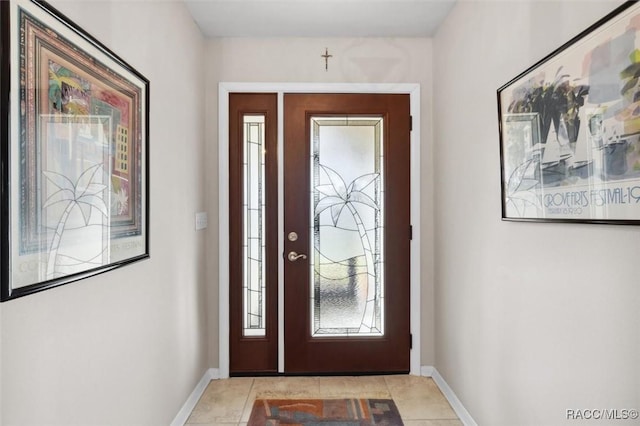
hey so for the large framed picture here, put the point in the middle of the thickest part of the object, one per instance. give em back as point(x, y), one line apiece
point(74, 153)
point(570, 129)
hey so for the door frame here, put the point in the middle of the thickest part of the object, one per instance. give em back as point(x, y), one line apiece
point(224, 88)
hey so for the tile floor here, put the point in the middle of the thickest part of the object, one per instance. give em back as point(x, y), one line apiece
point(229, 401)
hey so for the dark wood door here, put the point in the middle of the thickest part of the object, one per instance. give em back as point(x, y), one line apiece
point(346, 198)
point(253, 233)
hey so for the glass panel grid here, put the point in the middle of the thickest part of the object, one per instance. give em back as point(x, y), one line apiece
point(254, 257)
point(346, 267)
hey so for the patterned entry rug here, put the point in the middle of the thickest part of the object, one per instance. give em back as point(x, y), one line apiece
point(325, 412)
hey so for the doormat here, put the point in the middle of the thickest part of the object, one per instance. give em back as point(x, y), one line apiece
point(325, 412)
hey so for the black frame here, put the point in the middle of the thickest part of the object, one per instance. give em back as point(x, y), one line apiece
point(535, 176)
point(81, 38)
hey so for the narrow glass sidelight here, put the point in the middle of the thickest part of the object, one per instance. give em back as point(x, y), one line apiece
point(347, 217)
point(254, 258)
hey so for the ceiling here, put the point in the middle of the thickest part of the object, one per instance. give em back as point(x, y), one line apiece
point(319, 18)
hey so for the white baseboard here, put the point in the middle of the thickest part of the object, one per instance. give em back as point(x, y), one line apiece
point(184, 413)
point(461, 412)
point(427, 371)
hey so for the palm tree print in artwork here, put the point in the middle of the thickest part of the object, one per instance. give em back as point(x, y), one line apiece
point(336, 197)
point(70, 208)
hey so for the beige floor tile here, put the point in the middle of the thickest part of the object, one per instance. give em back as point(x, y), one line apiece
point(246, 413)
point(222, 402)
point(285, 387)
point(229, 402)
point(213, 424)
point(354, 387)
point(280, 387)
point(418, 398)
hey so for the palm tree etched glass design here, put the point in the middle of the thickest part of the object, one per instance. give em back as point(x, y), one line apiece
point(347, 265)
point(76, 216)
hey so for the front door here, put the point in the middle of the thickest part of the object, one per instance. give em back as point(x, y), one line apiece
point(346, 197)
point(346, 180)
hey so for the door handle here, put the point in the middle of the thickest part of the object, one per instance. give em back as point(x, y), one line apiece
point(293, 256)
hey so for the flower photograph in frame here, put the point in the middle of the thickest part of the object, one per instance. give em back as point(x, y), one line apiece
point(570, 129)
point(74, 129)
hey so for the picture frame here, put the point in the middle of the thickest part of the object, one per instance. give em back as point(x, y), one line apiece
point(74, 155)
point(570, 129)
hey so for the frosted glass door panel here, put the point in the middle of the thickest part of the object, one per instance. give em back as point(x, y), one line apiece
point(346, 267)
point(254, 227)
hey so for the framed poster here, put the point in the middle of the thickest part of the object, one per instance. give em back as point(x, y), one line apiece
point(570, 129)
point(74, 152)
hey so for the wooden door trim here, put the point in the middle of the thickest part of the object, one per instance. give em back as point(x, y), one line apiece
point(222, 197)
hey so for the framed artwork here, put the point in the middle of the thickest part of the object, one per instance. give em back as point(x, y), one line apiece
point(570, 129)
point(74, 153)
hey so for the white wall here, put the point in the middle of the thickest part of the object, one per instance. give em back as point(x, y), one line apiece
point(531, 318)
point(128, 346)
point(355, 60)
